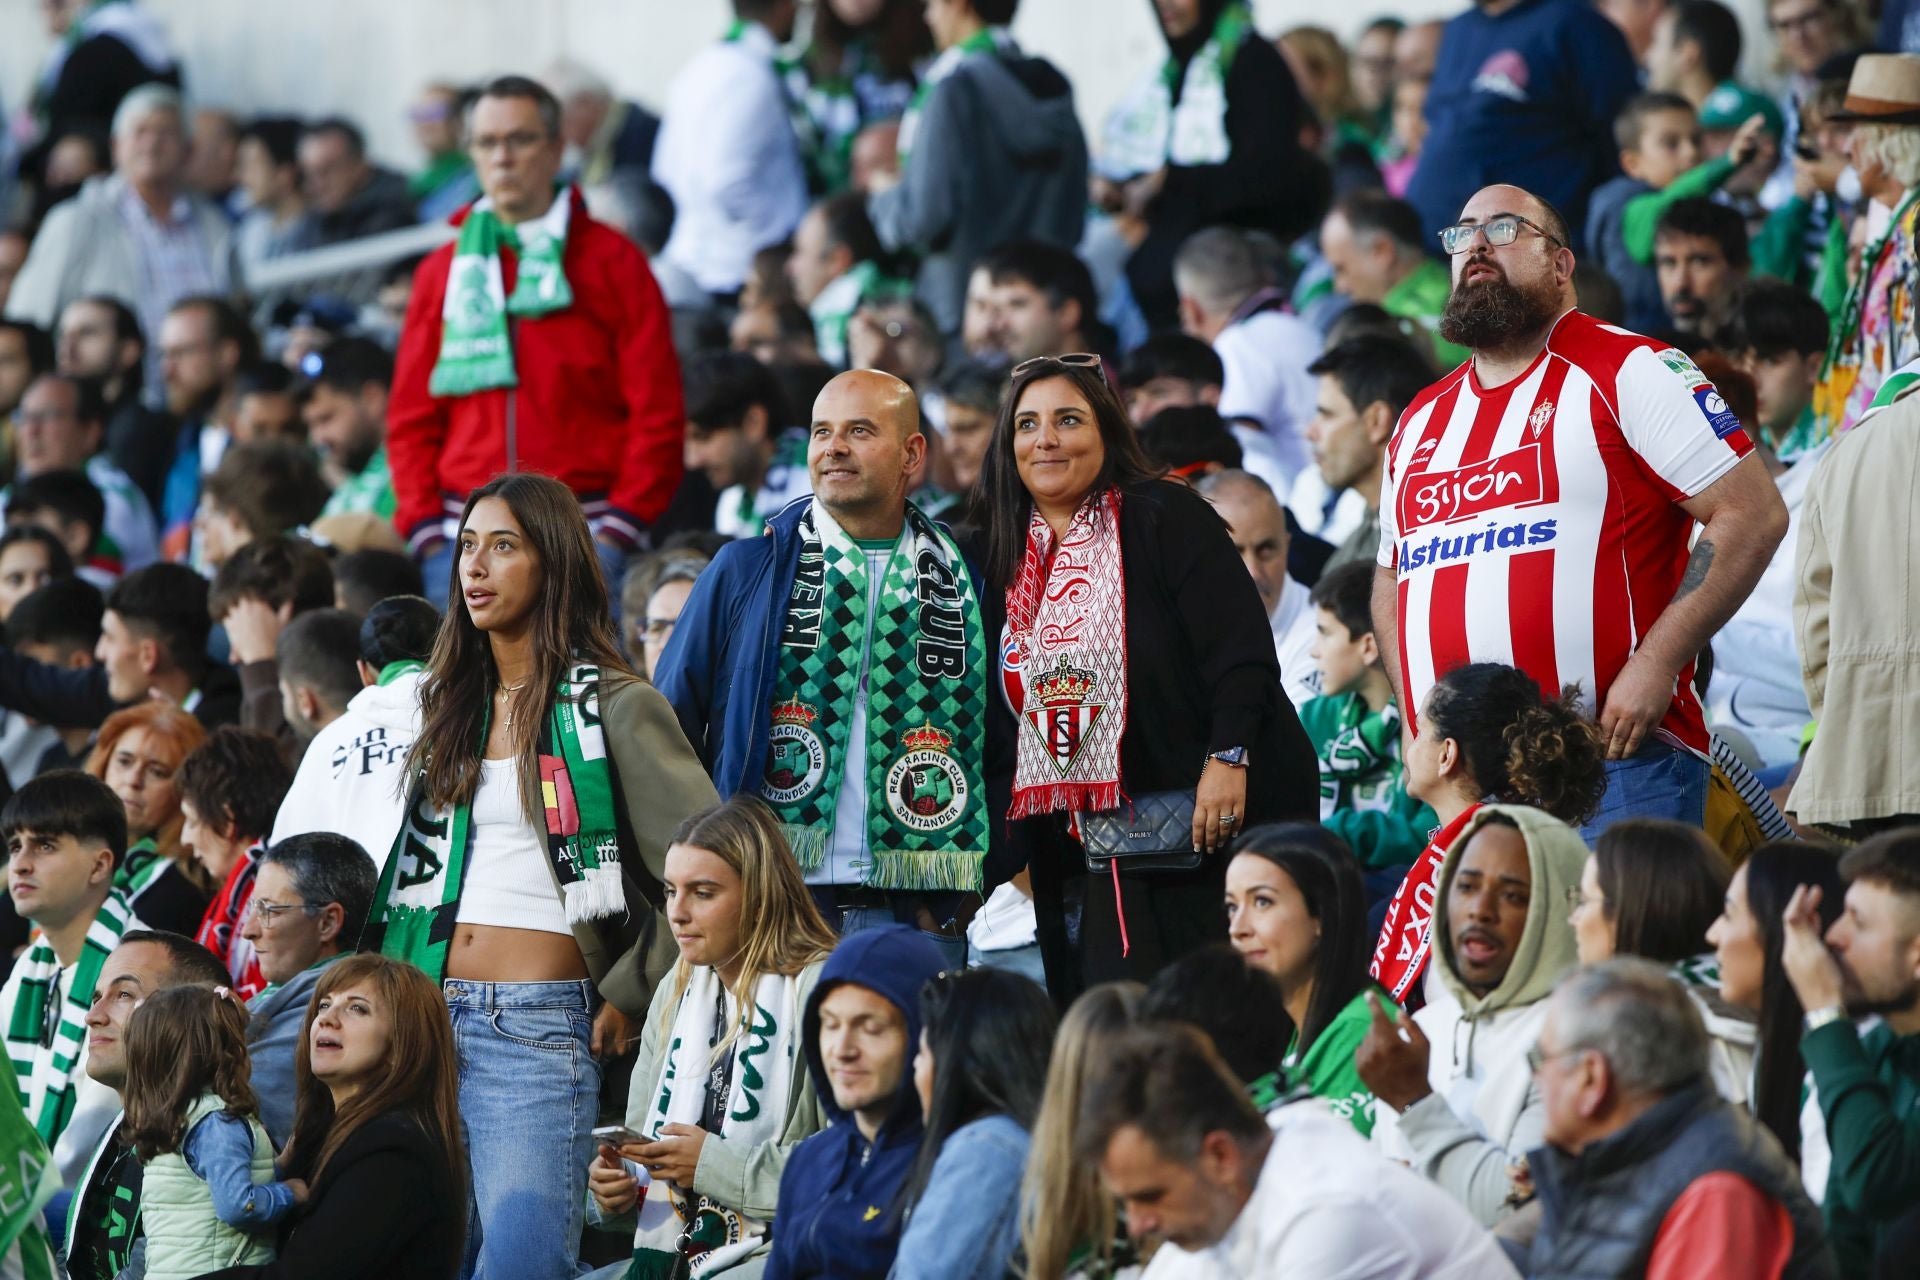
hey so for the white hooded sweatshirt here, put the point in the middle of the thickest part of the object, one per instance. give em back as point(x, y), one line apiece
point(351, 779)
point(1484, 1112)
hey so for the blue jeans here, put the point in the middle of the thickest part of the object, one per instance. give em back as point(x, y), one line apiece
point(1657, 781)
point(1024, 960)
point(437, 569)
point(529, 1093)
point(854, 919)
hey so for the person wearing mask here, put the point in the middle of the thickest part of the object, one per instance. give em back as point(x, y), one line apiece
point(1638, 424)
point(1067, 1221)
point(1191, 1161)
point(349, 777)
point(878, 767)
point(1227, 301)
point(104, 1236)
point(309, 902)
point(1748, 939)
point(1653, 889)
point(100, 338)
point(990, 151)
point(1106, 571)
point(555, 353)
point(979, 1071)
point(1866, 965)
point(716, 1090)
point(1542, 115)
point(1257, 523)
point(529, 915)
point(378, 1134)
point(1873, 330)
point(1645, 1170)
point(727, 154)
point(138, 754)
point(136, 234)
point(65, 835)
point(1378, 254)
point(1297, 909)
point(1454, 1081)
point(230, 788)
point(859, 1032)
point(1210, 136)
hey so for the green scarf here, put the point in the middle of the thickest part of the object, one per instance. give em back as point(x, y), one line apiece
point(419, 894)
point(926, 705)
point(1150, 129)
point(394, 670)
point(988, 40)
point(28, 1179)
point(476, 346)
point(47, 1036)
point(143, 865)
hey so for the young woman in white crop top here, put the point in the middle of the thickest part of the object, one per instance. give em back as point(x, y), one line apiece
point(526, 876)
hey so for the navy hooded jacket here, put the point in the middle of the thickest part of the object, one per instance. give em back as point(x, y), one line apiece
point(839, 1215)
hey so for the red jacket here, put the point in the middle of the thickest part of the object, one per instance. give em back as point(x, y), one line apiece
point(598, 406)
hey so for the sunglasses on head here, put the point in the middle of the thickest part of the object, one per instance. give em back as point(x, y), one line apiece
point(1072, 359)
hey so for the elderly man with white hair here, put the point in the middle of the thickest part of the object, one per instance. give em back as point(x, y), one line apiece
point(136, 234)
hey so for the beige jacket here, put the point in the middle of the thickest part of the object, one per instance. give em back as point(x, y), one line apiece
point(1855, 609)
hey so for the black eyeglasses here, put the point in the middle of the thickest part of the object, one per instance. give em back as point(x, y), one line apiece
point(1501, 229)
point(1072, 359)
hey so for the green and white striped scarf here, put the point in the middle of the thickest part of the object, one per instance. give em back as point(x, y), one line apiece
point(28, 1179)
point(926, 694)
point(46, 1038)
point(143, 865)
point(418, 897)
point(673, 1223)
point(476, 348)
point(1149, 129)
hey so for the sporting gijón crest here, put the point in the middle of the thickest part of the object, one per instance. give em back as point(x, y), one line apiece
point(1060, 707)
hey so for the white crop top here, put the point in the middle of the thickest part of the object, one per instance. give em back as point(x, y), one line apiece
point(507, 881)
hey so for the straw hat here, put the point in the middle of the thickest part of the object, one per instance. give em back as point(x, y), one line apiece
point(1885, 89)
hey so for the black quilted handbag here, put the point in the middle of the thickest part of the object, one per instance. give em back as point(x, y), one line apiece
point(1150, 832)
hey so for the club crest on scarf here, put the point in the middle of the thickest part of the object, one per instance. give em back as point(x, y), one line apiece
point(927, 788)
point(1066, 712)
point(796, 757)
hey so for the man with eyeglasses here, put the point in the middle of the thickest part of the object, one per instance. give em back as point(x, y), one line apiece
point(537, 341)
point(1539, 503)
point(309, 903)
point(1646, 1170)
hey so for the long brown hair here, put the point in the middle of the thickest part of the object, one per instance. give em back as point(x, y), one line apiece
point(1001, 492)
point(421, 1075)
point(182, 734)
point(181, 1043)
point(781, 930)
point(571, 623)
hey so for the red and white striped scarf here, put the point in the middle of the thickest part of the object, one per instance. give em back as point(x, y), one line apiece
point(1066, 618)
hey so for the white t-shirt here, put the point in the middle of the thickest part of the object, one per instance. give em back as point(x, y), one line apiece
point(1328, 1207)
point(1266, 357)
point(1294, 632)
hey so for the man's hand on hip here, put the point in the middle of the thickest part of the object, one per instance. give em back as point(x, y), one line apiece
point(1636, 702)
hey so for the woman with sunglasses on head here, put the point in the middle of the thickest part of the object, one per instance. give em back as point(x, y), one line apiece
point(526, 877)
point(1139, 662)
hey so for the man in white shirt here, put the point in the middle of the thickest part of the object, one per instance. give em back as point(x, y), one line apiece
point(1296, 1194)
point(1258, 525)
point(1226, 299)
point(727, 153)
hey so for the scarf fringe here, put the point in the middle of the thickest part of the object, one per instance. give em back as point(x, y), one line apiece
point(597, 895)
point(1084, 797)
point(809, 845)
point(927, 870)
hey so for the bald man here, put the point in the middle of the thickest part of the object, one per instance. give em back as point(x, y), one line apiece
point(837, 665)
point(1539, 501)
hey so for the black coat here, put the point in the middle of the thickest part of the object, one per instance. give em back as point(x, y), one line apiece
point(385, 1210)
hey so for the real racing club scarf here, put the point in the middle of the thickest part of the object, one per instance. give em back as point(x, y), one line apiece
point(28, 1180)
point(418, 897)
point(476, 347)
point(1066, 620)
point(46, 1037)
point(754, 1073)
point(926, 700)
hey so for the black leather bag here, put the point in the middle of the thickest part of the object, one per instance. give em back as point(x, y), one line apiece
point(1150, 832)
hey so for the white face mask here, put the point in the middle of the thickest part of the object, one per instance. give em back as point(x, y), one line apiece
point(1847, 188)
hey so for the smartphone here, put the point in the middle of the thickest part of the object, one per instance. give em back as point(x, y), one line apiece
point(618, 1135)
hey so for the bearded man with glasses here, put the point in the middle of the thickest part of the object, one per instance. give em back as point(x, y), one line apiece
point(1540, 500)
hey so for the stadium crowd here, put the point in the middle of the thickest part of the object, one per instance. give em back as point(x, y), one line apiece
point(841, 676)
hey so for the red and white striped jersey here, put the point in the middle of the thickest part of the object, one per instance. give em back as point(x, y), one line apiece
point(1537, 523)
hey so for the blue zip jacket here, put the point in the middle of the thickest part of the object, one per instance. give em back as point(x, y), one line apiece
point(839, 1215)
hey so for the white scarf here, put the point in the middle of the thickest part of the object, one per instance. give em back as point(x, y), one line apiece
point(1148, 129)
point(764, 1060)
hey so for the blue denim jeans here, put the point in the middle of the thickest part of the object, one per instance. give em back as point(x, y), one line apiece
point(854, 919)
point(1657, 781)
point(529, 1093)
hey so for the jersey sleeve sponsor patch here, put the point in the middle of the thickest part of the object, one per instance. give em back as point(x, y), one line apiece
point(1714, 408)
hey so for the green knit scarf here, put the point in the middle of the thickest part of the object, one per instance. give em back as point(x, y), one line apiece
point(47, 1035)
point(476, 349)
